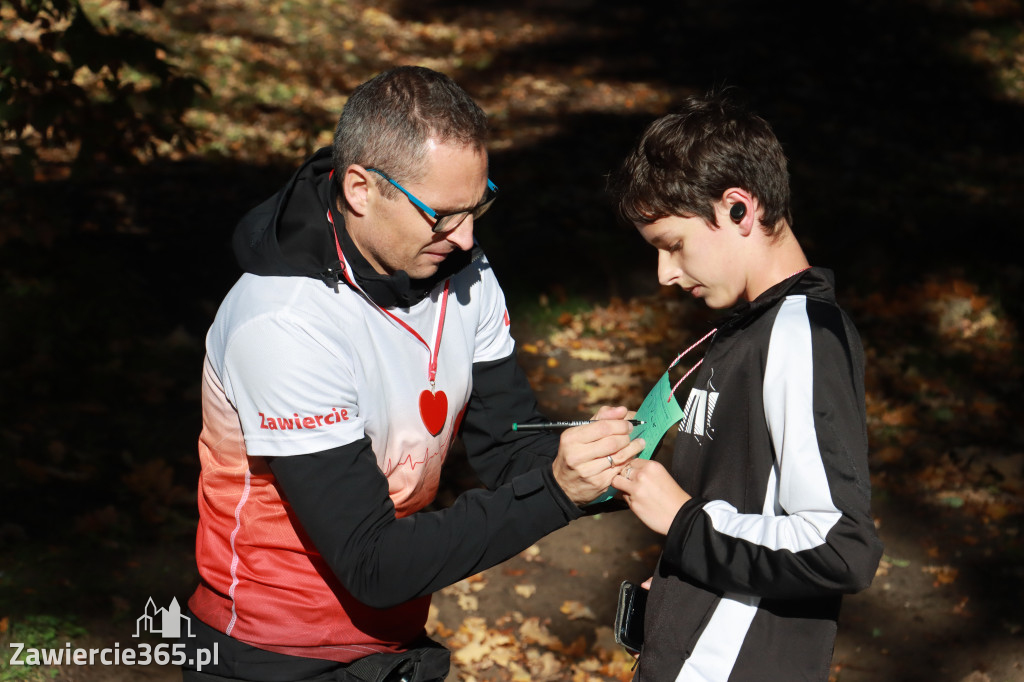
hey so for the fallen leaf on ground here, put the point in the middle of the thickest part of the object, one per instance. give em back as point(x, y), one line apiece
point(944, 575)
point(476, 645)
point(591, 355)
point(468, 602)
point(473, 583)
point(977, 676)
point(532, 631)
point(525, 591)
point(531, 553)
point(576, 610)
point(543, 666)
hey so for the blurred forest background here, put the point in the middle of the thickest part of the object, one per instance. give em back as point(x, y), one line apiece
point(136, 133)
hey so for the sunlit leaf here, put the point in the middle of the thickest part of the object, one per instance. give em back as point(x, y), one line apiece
point(576, 610)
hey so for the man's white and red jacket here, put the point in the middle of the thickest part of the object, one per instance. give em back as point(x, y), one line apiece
point(318, 458)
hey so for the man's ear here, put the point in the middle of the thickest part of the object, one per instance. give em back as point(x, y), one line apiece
point(740, 208)
point(355, 184)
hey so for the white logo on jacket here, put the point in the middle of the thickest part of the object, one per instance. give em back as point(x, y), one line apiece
point(700, 406)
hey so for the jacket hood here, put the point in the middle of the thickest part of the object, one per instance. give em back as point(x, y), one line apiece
point(289, 235)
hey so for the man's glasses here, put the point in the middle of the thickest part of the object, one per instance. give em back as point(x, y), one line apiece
point(447, 221)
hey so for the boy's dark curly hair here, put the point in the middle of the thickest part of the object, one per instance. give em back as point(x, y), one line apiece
point(686, 160)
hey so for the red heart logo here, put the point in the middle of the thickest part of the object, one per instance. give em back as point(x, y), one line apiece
point(433, 411)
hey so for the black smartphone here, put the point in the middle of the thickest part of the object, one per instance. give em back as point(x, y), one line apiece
point(629, 616)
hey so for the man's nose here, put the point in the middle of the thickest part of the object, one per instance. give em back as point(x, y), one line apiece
point(462, 236)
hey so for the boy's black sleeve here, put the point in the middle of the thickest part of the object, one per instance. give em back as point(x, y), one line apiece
point(817, 535)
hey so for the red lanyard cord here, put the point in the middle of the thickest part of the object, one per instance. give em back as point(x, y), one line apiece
point(680, 357)
point(700, 341)
point(432, 365)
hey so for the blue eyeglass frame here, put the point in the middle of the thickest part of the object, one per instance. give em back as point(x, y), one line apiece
point(442, 220)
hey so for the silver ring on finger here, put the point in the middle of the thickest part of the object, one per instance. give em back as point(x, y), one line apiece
point(611, 462)
point(625, 474)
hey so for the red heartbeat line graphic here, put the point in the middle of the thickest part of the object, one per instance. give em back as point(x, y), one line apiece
point(408, 459)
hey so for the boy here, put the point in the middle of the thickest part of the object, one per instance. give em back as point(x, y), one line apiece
point(766, 509)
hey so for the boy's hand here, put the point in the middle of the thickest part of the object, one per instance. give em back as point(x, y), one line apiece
point(651, 492)
point(590, 456)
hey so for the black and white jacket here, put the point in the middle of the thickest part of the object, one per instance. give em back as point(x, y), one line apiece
point(773, 449)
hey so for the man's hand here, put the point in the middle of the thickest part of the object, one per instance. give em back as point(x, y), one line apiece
point(651, 492)
point(590, 456)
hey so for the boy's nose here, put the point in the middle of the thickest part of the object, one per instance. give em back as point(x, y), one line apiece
point(668, 272)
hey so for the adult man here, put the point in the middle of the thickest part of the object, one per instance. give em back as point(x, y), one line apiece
point(367, 332)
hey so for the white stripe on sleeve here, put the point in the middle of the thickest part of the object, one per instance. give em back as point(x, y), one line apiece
point(803, 490)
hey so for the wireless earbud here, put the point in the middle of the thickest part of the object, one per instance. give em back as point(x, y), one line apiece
point(737, 212)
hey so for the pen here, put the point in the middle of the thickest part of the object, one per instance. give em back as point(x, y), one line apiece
point(555, 426)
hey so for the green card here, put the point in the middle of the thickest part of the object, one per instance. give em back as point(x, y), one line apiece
point(661, 411)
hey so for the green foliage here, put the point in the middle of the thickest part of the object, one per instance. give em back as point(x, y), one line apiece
point(544, 315)
point(36, 632)
point(102, 92)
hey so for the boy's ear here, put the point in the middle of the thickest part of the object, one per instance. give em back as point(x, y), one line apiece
point(740, 207)
point(356, 186)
